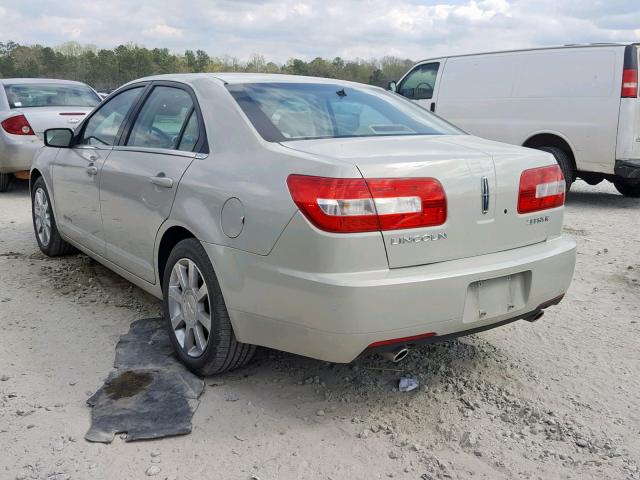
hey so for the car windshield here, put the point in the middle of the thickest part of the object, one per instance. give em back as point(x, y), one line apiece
point(21, 95)
point(301, 111)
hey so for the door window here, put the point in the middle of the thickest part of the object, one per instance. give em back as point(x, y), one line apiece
point(418, 85)
point(102, 127)
point(160, 121)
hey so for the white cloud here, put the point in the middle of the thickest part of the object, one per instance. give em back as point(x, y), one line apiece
point(281, 29)
point(162, 30)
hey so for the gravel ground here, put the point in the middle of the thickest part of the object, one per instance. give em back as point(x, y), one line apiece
point(559, 398)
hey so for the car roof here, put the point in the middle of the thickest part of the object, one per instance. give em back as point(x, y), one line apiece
point(39, 81)
point(534, 49)
point(239, 78)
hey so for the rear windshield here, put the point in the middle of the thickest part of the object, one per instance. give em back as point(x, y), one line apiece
point(301, 111)
point(22, 95)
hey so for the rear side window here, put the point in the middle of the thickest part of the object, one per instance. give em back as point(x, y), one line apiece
point(24, 95)
point(419, 83)
point(102, 128)
point(162, 118)
point(191, 134)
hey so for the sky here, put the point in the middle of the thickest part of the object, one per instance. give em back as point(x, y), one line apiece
point(283, 29)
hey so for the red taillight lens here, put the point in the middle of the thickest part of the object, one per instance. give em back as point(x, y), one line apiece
point(540, 189)
point(17, 125)
point(348, 205)
point(630, 83)
point(408, 202)
point(334, 204)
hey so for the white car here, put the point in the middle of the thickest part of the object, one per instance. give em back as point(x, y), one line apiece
point(578, 102)
point(316, 216)
point(28, 106)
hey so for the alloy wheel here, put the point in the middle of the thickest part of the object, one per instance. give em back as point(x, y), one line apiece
point(189, 307)
point(42, 216)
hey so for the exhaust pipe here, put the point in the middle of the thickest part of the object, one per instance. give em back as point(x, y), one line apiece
point(536, 316)
point(396, 356)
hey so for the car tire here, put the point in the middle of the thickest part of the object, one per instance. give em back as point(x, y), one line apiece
point(627, 188)
point(188, 273)
point(565, 163)
point(44, 223)
point(5, 181)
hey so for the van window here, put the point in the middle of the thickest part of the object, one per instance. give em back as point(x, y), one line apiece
point(419, 83)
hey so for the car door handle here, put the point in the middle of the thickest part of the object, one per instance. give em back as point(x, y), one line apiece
point(92, 170)
point(162, 181)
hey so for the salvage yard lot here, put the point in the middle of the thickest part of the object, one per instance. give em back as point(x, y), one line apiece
point(559, 398)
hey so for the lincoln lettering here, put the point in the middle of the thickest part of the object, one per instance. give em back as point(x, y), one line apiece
point(428, 237)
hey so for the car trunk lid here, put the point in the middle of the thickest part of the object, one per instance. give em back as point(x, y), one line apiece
point(462, 164)
point(43, 118)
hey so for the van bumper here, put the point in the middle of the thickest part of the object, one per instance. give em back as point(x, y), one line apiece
point(336, 317)
point(628, 169)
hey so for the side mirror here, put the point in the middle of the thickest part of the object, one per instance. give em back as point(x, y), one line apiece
point(392, 86)
point(58, 137)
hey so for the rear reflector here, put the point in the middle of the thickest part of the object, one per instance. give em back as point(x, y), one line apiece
point(348, 205)
point(540, 189)
point(17, 125)
point(394, 341)
point(630, 83)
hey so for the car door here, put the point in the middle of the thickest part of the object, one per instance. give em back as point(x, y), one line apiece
point(76, 171)
point(421, 84)
point(141, 175)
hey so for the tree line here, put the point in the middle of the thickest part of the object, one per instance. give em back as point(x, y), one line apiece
point(107, 69)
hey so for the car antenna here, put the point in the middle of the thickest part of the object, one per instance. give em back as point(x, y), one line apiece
point(341, 93)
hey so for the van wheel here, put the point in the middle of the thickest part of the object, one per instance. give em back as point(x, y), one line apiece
point(566, 165)
point(196, 315)
point(5, 181)
point(627, 188)
point(44, 223)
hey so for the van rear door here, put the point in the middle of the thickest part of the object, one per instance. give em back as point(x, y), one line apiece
point(422, 82)
point(628, 144)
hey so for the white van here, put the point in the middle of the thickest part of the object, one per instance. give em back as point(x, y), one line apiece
point(578, 102)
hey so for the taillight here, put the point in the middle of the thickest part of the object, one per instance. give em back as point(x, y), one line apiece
point(17, 125)
point(348, 205)
point(540, 189)
point(630, 83)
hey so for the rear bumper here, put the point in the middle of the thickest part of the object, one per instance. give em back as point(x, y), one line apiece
point(337, 316)
point(629, 169)
point(16, 152)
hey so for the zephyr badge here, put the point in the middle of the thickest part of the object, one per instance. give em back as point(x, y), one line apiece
point(484, 188)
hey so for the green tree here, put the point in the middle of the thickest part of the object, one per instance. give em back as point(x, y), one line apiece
point(107, 69)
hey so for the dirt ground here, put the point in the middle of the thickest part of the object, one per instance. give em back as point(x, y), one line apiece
point(559, 398)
